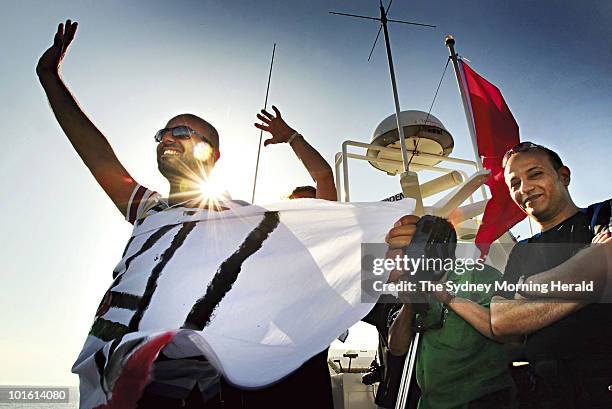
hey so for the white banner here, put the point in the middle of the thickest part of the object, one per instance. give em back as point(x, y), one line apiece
point(256, 290)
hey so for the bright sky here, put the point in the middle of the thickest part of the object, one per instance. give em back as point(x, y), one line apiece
point(135, 64)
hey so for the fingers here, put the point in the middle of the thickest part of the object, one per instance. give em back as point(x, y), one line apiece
point(263, 119)
point(399, 241)
point(400, 236)
point(262, 127)
point(69, 33)
point(408, 219)
point(602, 237)
point(267, 114)
point(276, 111)
point(59, 35)
point(65, 37)
point(405, 230)
point(270, 141)
point(402, 232)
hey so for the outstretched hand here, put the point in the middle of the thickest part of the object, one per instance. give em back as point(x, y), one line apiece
point(50, 61)
point(275, 125)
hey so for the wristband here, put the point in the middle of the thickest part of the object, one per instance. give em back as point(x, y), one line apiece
point(292, 137)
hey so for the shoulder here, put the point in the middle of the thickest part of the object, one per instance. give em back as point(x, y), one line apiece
point(607, 203)
point(600, 215)
point(141, 202)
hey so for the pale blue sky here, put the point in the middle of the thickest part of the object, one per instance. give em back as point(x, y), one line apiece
point(135, 64)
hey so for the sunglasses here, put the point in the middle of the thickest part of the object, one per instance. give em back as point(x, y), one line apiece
point(521, 147)
point(180, 132)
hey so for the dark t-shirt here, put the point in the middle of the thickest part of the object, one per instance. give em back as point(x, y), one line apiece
point(585, 333)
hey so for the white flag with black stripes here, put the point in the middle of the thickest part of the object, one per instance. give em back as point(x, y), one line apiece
point(257, 291)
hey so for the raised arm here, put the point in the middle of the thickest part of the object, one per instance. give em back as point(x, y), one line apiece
point(87, 140)
point(317, 167)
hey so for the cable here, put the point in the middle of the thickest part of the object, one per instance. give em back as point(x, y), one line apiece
point(416, 145)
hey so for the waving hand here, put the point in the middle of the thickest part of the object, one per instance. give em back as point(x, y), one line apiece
point(50, 61)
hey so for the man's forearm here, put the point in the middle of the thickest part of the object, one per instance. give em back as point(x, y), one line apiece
point(90, 144)
point(478, 317)
point(474, 314)
point(593, 264)
point(317, 167)
point(87, 140)
point(521, 317)
point(400, 332)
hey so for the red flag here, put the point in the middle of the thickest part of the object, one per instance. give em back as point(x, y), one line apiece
point(496, 132)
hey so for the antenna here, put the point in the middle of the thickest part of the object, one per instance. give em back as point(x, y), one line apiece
point(408, 180)
point(261, 131)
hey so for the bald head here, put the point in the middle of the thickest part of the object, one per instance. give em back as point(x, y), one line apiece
point(197, 124)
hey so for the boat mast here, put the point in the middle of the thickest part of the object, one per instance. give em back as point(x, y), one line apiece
point(409, 180)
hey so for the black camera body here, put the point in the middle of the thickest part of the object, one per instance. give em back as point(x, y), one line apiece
point(435, 239)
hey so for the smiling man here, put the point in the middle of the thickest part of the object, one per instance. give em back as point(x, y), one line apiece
point(186, 143)
point(571, 354)
point(187, 151)
point(566, 338)
point(538, 183)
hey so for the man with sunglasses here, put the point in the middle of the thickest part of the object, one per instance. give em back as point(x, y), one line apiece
point(187, 150)
point(567, 341)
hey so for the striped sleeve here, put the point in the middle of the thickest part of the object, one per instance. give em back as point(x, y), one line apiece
point(141, 200)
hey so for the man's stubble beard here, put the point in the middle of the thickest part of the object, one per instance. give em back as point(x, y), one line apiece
point(192, 172)
point(556, 205)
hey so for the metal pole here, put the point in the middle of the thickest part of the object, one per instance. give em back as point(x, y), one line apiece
point(409, 364)
point(449, 40)
point(337, 160)
point(400, 128)
point(467, 106)
point(345, 172)
point(409, 181)
point(261, 131)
